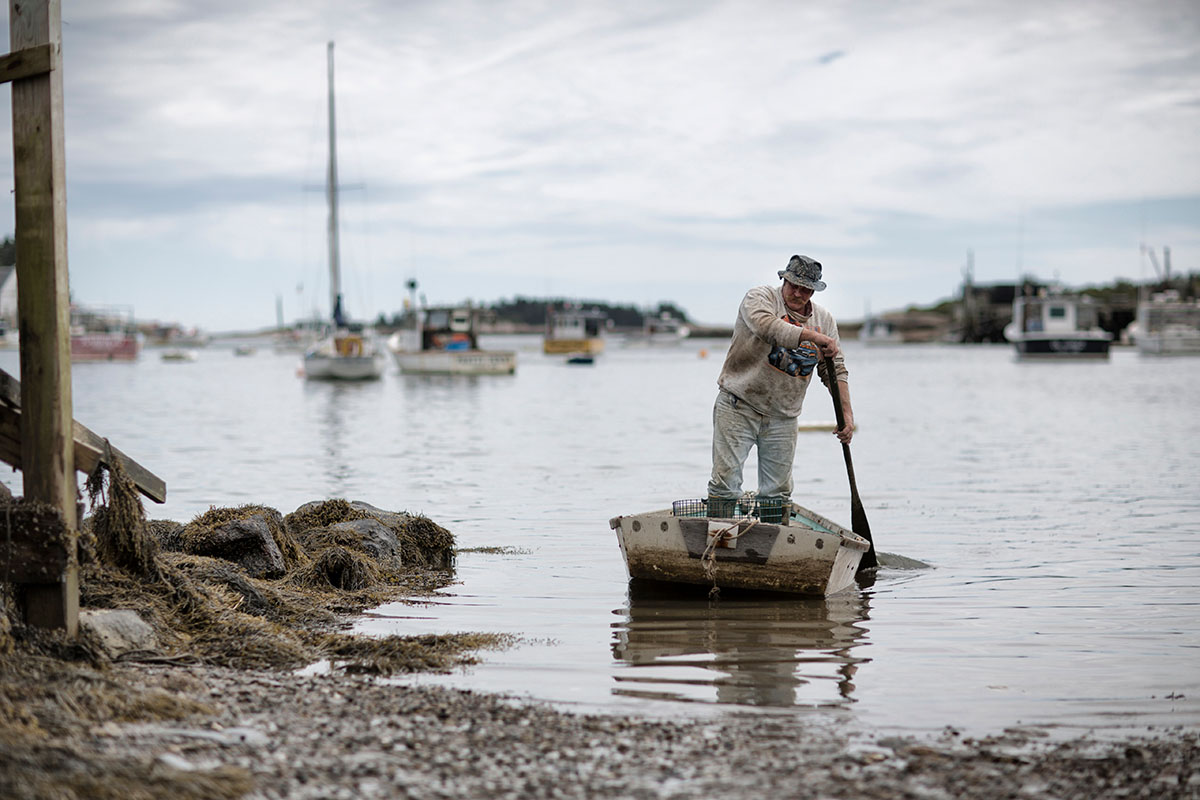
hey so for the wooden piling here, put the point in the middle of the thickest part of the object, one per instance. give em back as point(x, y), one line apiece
point(39, 173)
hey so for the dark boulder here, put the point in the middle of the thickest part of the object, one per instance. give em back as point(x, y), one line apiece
point(422, 543)
point(247, 540)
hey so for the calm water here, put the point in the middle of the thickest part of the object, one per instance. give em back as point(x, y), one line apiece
point(1059, 505)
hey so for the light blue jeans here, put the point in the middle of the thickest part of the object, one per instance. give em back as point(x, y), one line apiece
point(737, 428)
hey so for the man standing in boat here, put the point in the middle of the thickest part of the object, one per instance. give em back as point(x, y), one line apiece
point(779, 338)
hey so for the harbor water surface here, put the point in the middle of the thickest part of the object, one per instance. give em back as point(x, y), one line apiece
point(1058, 506)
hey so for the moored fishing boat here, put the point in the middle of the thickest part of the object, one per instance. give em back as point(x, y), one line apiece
point(574, 330)
point(179, 355)
point(878, 331)
point(1057, 326)
point(659, 331)
point(1168, 325)
point(443, 341)
point(801, 552)
point(107, 334)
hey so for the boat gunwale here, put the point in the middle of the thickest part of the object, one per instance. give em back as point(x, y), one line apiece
point(848, 537)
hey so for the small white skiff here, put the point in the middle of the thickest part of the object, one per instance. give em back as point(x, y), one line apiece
point(805, 554)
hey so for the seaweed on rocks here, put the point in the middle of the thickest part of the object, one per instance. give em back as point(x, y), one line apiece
point(321, 514)
point(210, 610)
point(340, 568)
point(423, 543)
point(213, 610)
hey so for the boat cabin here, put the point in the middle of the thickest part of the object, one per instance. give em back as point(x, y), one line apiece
point(448, 328)
point(1056, 314)
point(439, 328)
point(575, 330)
point(576, 323)
point(1057, 326)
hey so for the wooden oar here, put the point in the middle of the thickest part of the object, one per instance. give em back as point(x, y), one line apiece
point(858, 517)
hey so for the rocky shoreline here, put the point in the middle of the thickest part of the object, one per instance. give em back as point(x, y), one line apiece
point(286, 735)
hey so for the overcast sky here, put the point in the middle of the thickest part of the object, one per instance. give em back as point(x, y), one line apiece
point(627, 151)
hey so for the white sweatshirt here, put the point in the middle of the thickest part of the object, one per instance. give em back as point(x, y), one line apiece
point(763, 322)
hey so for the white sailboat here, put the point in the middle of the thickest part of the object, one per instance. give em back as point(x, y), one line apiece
point(350, 352)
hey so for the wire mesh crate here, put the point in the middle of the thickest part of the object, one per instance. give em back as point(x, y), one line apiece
point(690, 508)
point(767, 509)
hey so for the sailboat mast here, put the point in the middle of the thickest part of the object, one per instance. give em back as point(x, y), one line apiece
point(331, 194)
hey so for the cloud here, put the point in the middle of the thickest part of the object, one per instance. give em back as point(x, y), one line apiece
point(682, 146)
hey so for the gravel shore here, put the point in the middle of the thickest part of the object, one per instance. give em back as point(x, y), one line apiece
point(285, 735)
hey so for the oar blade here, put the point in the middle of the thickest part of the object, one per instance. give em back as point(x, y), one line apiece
point(858, 524)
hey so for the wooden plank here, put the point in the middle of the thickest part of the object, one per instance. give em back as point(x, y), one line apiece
point(87, 457)
point(96, 449)
point(27, 63)
point(90, 448)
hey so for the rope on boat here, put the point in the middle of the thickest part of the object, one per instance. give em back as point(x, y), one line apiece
point(709, 559)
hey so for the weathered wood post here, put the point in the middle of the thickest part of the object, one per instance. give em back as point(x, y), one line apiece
point(39, 171)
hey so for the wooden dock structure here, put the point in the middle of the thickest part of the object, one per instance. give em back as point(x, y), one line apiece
point(38, 433)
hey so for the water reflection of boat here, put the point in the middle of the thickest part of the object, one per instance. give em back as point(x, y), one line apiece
point(758, 650)
point(741, 545)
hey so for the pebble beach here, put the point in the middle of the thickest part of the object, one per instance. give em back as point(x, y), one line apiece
point(286, 735)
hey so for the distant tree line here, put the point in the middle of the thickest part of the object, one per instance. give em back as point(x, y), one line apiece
point(8, 252)
point(531, 311)
point(1125, 292)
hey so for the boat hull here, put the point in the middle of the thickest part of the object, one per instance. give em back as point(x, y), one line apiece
point(1062, 347)
point(562, 347)
point(105, 346)
point(1170, 343)
point(456, 362)
point(342, 368)
point(810, 555)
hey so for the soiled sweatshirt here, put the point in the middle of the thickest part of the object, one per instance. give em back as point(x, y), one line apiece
point(763, 322)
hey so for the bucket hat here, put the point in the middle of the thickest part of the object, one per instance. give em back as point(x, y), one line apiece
point(803, 271)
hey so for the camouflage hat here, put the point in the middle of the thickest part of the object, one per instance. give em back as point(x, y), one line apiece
point(803, 271)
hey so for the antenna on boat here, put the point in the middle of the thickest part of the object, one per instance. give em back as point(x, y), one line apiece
point(331, 194)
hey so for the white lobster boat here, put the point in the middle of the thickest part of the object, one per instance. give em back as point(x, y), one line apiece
point(442, 341)
point(805, 553)
point(1057, 326)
